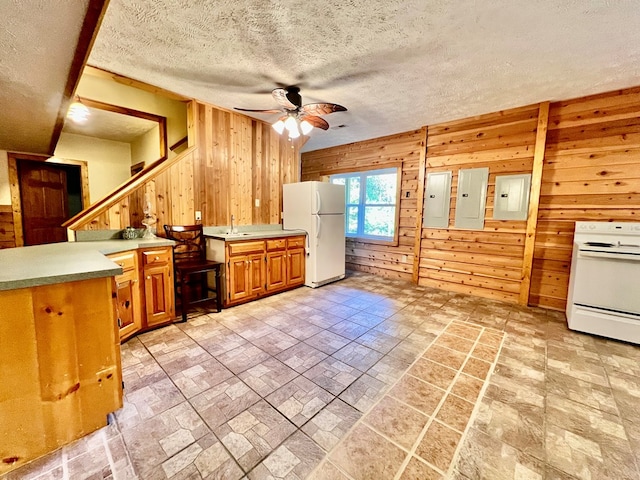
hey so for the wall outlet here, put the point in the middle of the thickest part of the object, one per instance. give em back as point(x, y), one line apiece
point(198, 215)
point(257, 202)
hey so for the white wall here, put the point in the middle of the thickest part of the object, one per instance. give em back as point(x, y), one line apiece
point(108, 162)
point(5, 194)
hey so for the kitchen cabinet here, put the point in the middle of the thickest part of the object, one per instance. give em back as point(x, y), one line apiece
point(258, 267)
point(141, 305)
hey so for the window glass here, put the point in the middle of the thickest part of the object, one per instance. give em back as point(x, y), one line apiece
point(371, 198)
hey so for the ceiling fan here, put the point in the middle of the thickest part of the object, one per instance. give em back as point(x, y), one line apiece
point(298, 118)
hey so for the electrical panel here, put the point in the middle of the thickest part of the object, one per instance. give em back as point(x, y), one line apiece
point(437, 200)
point(471, 198)
point(512, 197)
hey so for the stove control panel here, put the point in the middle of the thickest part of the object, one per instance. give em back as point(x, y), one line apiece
point(610, 228)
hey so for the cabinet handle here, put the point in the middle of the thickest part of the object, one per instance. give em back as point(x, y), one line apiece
point(157, 258)
point(121, 264)
point(148, 277)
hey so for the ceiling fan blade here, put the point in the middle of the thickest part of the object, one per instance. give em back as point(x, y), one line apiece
point(322, 108)
point(258, 111)
point(280, 95)
point(316, 121)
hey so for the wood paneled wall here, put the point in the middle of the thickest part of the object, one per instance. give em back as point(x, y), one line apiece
point(237, 161)
point(591, 173)
point(7, 234)
point(401, 150)
point(486, 262)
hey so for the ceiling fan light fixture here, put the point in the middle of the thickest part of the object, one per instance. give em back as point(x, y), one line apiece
point(291, 124)
point(278, 126)
point(294, 133)
point(78, 112)
point(306, 127)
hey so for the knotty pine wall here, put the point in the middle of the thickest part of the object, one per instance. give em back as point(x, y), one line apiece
point(486, 262)
point(237, 161)
point(591, 173)
point(7, 237)
point(401, 150)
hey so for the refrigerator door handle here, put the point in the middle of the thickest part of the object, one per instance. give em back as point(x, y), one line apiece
point(318, 203)
point(318, 225)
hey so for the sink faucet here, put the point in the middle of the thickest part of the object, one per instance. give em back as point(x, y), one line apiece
point(232, 229)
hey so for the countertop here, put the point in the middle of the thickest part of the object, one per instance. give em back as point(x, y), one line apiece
point(250, 233)
point(23, 267)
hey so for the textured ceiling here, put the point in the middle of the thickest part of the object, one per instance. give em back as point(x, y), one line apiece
point(37, 44)
point(110, 126)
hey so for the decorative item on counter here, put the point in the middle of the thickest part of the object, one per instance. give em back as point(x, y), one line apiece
point(149, 220)
point(129, 233)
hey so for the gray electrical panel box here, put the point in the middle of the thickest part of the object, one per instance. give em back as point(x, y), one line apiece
point(437, 200)
point(471, 198)
point(512, 197)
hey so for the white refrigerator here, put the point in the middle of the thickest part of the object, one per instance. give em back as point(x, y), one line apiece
point(318, 208)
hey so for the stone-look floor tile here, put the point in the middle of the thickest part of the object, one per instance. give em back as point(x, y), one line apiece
point(491, 338)
point(587, 393)
point(488, 353)
point(454, 342)
point(364, 392)
point(222, 342)
point(341, 311)
point(409, 349)
point(333, 375)
point(182, 358)
point(252, 329)
point(47, 467)
point(467, 387)
point(348, 329)
point(626, 391)
point(92, 464)
point(296, 458)
point(378, 341)
point(254, 433)
point(530, 354)
point(147, 402)
point(418, 470)
point(165, 340)
point(484, 457)
point(455, 412)
point(389, 369)
point(394, 329)
point(299, 400)
point(301, 329)
point(420, 395)
point(139, 368)
point(438, 445)
point(434, 373)
point(552, 473)
point(242, 358)
point(358, 356)
point(523, 430)
point(515, 393)
point(365, 455)
point(331, 424)
point(587, 443)
point(157, 439)
point(120, 461)
point(464, 330)
point(327, 342)
point(327, 471)
point(619, 356)
point(323, 319)
point(582, 365)
point(522, 374)
point(366, 319)
point(396, 421)
point(275, 342)
point(224, 401)
point(267, 376)
point(477, 368)
point(201, 377)
point(445, 356)
point(301, 357)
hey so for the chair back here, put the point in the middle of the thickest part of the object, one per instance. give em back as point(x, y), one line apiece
point(190, 244)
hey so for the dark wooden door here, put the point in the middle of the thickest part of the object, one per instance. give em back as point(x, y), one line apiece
point(45, 203)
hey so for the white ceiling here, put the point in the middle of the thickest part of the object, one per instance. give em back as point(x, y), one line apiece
point(110, 126)
point(37, 45)
point(396, 65)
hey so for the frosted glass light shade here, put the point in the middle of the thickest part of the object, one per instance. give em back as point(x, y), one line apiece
point(278, 126)
point(78, 112)
point(306, 127)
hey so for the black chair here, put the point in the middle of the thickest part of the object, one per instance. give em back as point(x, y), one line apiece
point(191, 267)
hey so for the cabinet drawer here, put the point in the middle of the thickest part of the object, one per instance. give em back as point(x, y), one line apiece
point(156, 257)
point(276, 244)
point(295, 242)
point(241, 248)
point(126, 260)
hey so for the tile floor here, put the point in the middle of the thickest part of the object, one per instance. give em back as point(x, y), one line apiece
point(367, 378)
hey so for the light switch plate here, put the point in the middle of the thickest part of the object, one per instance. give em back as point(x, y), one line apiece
point(198, 215)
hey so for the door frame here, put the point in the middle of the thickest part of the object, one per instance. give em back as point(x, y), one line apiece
point(14, 186)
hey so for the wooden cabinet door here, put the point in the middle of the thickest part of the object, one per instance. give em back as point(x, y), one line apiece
point(128, 305)
point(295, 267)
point(276, 270)
point(158, 290)
point(239, 286)
point(257, 273)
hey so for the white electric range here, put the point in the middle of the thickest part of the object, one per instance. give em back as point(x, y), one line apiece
point(604, 286)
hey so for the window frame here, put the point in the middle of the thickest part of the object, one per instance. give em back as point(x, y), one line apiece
point(363, 174)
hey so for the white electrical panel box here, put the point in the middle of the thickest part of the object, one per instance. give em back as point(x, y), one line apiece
point(471, 198)
point(437, 199)
point(512, 197)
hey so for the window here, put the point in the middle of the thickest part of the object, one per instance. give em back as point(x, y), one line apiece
point(371, 199)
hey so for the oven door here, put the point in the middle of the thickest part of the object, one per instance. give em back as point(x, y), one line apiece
point(607, 280)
